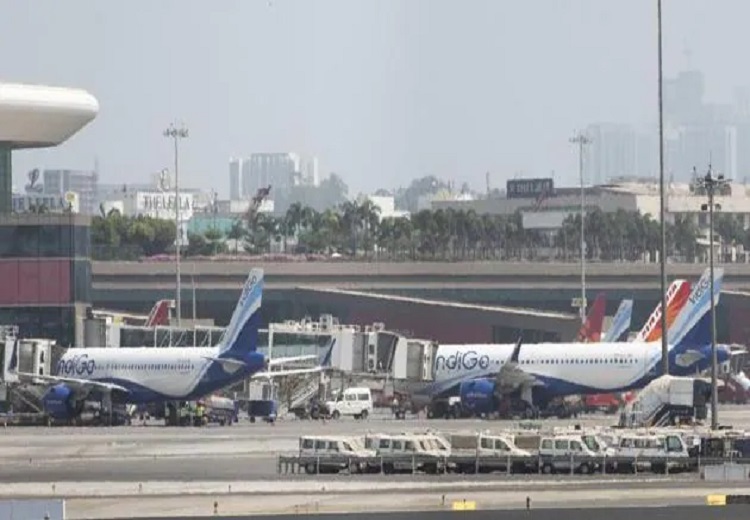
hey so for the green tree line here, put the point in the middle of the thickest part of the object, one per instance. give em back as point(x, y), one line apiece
point(355, 230)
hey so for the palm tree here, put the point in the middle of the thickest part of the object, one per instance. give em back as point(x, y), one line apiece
point(237, 232)
point(685, 233)
point(350, 223)
point(293, 217)
point(369, 218)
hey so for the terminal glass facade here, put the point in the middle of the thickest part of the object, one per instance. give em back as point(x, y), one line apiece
point(45, 241)
point(54, 322)
point(6, 179)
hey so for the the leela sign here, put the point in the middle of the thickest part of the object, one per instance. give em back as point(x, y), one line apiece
point(159, 202)
point(30, 202)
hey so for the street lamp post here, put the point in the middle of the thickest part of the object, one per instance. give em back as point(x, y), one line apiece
point(662, 209)
point(581, 140)
point(709, 182)
point(176, 133)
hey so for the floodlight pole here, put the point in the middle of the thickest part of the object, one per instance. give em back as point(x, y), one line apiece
point(176, 133)
point(662, 209)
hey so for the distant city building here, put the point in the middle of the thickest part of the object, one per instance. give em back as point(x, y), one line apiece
point(543, 211)
point(386, 205)
point(310, 173)
point(696, 133)
point(264, 169)
point(84, 183)
point(240, 207)
point(235, 179)
point(427, 202)
point(611, 153)
point(111, 195)
point(292, 178)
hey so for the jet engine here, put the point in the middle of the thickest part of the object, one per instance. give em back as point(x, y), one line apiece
point(478, 396)
point(60, 404)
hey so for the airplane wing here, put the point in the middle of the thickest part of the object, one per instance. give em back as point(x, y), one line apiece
point(511, 376)
point(78, 385)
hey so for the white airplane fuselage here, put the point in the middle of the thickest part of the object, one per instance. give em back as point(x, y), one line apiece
point(608, 366)
point(569, 368)
point(154, 374)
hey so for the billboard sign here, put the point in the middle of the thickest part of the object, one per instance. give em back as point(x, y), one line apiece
point(33, 202)
point(160, 201)
point(529, 188)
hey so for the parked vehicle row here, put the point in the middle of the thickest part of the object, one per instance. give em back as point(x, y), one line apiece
point(563, 451)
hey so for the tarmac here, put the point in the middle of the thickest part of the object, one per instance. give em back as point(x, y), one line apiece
point(671, 513)
point(153, 471)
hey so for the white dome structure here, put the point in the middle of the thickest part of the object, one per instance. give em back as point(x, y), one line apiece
point(37, 116)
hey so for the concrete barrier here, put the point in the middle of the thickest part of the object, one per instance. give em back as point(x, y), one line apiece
point(43, 509)
point(726, 472)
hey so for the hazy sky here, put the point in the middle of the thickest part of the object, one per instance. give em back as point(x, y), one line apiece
point(381, 90)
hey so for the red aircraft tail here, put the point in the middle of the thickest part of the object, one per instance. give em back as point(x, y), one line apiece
point(591, 330)
point(159, 314)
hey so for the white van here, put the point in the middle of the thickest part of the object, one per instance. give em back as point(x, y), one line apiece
point(398, 449)
point(356, 402)
point(489, 451)
point(643, 445)
point(567, 447)
point(334, 453)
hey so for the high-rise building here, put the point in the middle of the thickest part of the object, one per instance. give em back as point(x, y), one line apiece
point(696, 133)
point(647, 155)
point(699, 145)
point(263, 169)
point(683, 98)
point(84, 183)
point(235, 179)
point(613, 152)
point(311, 177)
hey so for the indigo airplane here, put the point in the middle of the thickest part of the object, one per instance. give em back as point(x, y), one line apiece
point(152, 375)
point(530, 377)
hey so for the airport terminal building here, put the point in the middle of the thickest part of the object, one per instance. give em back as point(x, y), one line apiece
point(45, 260)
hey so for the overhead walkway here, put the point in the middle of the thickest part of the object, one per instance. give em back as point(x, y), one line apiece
point(444, 321)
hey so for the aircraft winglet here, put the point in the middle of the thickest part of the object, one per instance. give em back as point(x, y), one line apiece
point(516, 350)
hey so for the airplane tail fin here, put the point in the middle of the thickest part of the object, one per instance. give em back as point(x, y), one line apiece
point(591, 330)
point(677, 295)
point(241, 336)
point(692, 326)
point(159, 314)
point(620, 323)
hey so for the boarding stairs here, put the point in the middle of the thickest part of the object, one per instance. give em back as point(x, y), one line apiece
point(662, 402)
point(27, 398)
point(306, 391)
